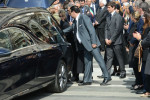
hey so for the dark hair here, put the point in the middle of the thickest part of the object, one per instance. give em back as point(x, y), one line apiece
point(75, 9)
point(131, 9)
point(112, 4)
point(147, 21)
point(82, 0)
point(118, 7)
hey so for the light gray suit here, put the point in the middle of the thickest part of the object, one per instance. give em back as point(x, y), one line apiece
point(88, 37)
point(114, 32)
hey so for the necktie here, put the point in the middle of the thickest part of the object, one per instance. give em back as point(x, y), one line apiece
point(110, 16)
point(75, 27)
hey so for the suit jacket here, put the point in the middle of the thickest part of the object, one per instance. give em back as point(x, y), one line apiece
point(84, 10)
point(96, 6)
point(139, 28)
point(146, 44)
point(86, 32)
point(100, 17)
point(114, 29)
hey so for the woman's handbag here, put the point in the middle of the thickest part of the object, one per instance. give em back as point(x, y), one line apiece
point(138, 54)
point(138, 51)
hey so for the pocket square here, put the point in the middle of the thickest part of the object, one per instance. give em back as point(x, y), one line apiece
point(80, 25)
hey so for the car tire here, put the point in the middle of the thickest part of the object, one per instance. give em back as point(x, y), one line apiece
point(60, 83)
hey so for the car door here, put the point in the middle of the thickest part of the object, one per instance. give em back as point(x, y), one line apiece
point(50, 50)
point(23, 67)
point(7, 62)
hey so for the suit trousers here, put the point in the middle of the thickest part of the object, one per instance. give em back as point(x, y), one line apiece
point(111, 51)
point(147, 83)
point(101, 36)
point(88, 56)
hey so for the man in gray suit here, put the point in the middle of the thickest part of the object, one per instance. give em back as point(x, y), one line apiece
point(86, 39)
point(114, 39)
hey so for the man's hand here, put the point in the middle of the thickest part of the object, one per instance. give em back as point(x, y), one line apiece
point(94, 45)
point(137, 35)
point(109, 41)
point(106, 40)
point(70, 23)
point(96, 22)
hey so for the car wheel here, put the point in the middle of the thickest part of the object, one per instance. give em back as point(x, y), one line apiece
point(60, 83)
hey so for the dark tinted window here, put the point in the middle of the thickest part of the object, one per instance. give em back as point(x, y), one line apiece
point(19, 38)
point(42, 26)
point(4, 40)
point(52, 27)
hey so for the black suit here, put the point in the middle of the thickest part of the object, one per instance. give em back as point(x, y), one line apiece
point(100, 28)
point(114, 32)
point(146, 44)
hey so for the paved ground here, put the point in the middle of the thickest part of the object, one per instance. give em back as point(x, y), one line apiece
point(118, 89)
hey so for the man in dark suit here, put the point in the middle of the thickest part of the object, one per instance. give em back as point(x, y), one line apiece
point(86, 39)
point(100, 21)
point(95, 6)
point(113, 39)
point(90, 13)
point(83, 8)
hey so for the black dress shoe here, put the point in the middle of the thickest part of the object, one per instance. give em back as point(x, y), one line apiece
point(117, 74)
point(105, 81)
point(84, 83)
point(122, 75)
point(79, 81)
point(102, 76)
point(113, 74)
point(74, 79)
point(141, 92)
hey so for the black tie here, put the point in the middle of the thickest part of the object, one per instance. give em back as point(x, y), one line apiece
point(75, 26)
point(75, 32)
point(110, 16)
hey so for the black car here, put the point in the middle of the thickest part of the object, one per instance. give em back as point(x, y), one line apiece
point(33, 53)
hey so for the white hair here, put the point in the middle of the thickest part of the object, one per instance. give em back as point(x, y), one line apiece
point(103, 1)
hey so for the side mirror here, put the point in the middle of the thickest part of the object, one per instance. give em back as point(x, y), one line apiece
point(4, 52)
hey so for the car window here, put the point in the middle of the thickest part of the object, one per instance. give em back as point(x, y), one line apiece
point(19, 38)
point(41, 24)
point(49, 25)
point(5, 40)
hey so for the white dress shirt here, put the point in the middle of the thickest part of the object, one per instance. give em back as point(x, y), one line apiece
point(93, 6)
point(77, 34)
point(112, 13)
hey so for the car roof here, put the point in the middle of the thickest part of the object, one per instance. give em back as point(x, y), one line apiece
point(8, 13)
point(29, 3)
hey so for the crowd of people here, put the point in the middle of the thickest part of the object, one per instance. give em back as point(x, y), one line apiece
point(117, 27)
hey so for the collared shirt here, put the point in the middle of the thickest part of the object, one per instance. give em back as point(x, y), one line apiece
point(112, 13)
point(93, 6)
point(77, 34)
point(102, 7)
